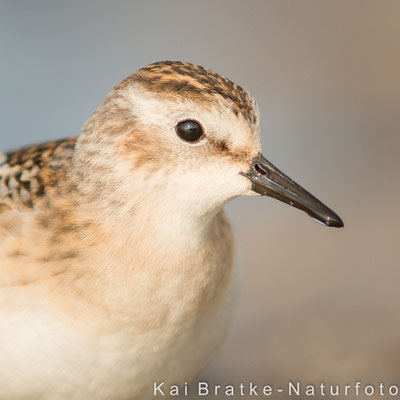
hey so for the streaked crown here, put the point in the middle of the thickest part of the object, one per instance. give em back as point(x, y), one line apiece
point(194, 82)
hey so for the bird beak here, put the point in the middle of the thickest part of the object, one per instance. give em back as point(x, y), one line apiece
point(270, 181)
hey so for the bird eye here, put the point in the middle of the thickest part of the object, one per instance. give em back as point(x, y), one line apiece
point(190, 131)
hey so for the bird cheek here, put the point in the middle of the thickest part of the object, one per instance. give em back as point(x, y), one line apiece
point(142, 152)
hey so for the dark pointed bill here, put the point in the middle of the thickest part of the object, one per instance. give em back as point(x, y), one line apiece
point(270, 181)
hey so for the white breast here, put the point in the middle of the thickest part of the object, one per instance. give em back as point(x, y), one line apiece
point(45, 357)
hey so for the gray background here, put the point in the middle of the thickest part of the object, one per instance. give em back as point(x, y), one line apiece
point(317, 304)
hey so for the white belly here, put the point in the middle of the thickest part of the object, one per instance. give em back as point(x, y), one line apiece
point(44, 356)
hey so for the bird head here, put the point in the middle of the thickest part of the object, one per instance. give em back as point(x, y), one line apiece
point(181, 132)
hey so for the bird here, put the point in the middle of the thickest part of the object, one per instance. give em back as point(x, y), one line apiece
point(116, 256)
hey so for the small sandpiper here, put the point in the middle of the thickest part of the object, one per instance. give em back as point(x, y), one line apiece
point(116, 256)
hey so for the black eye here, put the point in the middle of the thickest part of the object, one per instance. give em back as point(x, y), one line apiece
point(190, 131)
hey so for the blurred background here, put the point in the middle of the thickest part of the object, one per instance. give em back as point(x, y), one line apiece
point(317, 304)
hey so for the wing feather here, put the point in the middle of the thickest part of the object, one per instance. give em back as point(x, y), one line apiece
point(27, 174)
